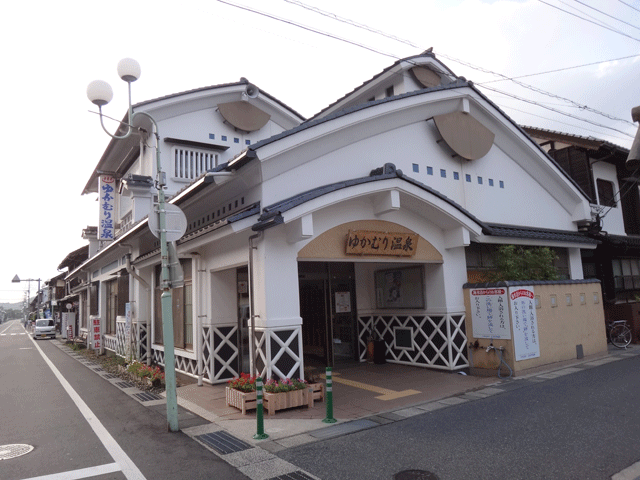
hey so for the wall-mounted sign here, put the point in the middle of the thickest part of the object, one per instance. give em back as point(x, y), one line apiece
point(107, 200)
point(343, 302)
point(525, 323)
point(490, 313)
point(96, 333)
point(361, 242)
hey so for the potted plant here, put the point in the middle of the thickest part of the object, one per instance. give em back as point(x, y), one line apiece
point(241, 392)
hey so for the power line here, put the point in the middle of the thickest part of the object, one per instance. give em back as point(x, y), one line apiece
point(561, 69)
point(630, 6)
point(590, 21)
point(606, 14)
point(365, 27)
point(407, 42)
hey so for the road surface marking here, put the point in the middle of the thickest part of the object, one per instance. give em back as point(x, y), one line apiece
point(129, 468)
point(385, 393)
point(82, 473)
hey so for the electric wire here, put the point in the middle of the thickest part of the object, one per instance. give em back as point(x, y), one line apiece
point(630, 6)
point(475, 67)
point(606, 14)
point(371, 49)
point(590, 21)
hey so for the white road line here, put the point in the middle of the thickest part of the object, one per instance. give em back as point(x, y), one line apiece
point(9, 325)
point(129, 468)
point(82, 473)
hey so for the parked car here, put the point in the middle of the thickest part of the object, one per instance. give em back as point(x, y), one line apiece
point(45, 327)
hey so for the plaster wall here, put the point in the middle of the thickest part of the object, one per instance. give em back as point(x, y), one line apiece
point(613, 221)
point(560, 329)
point(416, 144)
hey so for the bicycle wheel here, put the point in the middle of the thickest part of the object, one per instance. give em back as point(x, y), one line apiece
point(620, 336)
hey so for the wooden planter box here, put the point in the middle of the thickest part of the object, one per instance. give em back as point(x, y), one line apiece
point(241, 400)
point(276, 401)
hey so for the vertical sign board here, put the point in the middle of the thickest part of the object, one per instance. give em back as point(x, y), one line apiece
point(106, 222)
point(96, 334)
point(525, 323)
point(127, 328)
point(490, 313)
point(64, 324)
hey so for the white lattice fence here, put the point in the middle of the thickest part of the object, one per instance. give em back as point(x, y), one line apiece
point(283, 346)
point(110, 342)
point(435, 341)
point(140, 331)
point(121, 338)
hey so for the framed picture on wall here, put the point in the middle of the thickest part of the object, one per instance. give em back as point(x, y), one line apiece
point(400, 288)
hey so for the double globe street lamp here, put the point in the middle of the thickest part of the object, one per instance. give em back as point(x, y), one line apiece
point(100, 93)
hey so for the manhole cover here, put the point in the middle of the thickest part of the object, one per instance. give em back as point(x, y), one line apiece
point(12, 451)
point(415, 475)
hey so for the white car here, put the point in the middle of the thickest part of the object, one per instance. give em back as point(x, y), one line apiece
point(45, 327)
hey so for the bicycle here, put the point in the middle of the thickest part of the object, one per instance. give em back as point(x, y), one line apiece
point(619, 333)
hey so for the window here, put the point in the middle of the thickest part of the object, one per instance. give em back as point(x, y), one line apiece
point(456, 176)
point(443, 173)
point(190, 163)
point(117, 295)
point(416, 168)
point(491, 182)
point(182, 311)
point(606, 195)
point(626, 274)
point(479, 180)
point(389, 91)
point(467, 177)
point(501, 184)
point(429, 170)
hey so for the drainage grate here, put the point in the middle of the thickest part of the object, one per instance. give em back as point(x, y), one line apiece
point(109, 376)
point(13, 451)
point(222, 442)
point(146, 396)
point(293, 476)
point(415, 475)
point(124, 384)
point(98, 369)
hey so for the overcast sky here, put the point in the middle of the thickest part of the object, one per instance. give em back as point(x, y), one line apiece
point(52, 50)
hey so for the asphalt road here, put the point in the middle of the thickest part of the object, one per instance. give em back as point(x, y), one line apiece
point(583, 426)
point(111, 437)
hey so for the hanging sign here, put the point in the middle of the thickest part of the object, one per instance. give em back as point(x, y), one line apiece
point(361, 242)
point(525, 323)
point(490, 313)
point(107, 200)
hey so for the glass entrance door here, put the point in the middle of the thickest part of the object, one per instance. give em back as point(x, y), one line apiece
point(343, 320)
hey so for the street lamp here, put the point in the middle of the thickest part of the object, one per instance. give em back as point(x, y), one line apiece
point(17, 279)
point(100, 93)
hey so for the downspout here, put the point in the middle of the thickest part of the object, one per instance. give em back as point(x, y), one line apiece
point(252, 304)
point(131, 271)
point(196, 300)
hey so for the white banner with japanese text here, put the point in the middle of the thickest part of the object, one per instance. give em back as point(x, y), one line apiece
point(525, 323)
point(107, 201)
point(490, 313)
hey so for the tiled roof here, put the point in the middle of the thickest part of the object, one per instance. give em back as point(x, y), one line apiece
point(500, 230)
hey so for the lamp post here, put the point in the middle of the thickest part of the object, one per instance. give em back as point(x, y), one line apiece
point(100, 93)
point(17, 279)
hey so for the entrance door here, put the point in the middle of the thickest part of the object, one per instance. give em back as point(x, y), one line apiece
point(327, 307)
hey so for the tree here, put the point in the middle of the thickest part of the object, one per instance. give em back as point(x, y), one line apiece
point(524, 263)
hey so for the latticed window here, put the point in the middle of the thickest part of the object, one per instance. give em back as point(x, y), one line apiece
point(190, 163)
point(182, 310)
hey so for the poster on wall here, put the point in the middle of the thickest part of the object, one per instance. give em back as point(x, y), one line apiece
point(400, 288)
point(490, 313)
point(343, 302)
point(525, 323)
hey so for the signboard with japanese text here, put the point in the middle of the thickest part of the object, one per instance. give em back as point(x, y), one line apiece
point(107, 201)
point(490, 313)
point(361, 242)
point(96, 333)
point(525, 323)
point(127, 328)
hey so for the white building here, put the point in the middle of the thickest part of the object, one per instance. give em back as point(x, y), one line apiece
point(369, 215)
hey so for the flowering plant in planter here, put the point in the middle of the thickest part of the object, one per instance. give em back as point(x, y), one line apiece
point(154, 374)
point(243, 383)
point(284, 385)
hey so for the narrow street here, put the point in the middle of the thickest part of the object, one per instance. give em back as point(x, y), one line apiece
point(87, 428)
point(582, 426)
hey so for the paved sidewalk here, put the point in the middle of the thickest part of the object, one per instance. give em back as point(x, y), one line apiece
point(364, 396)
